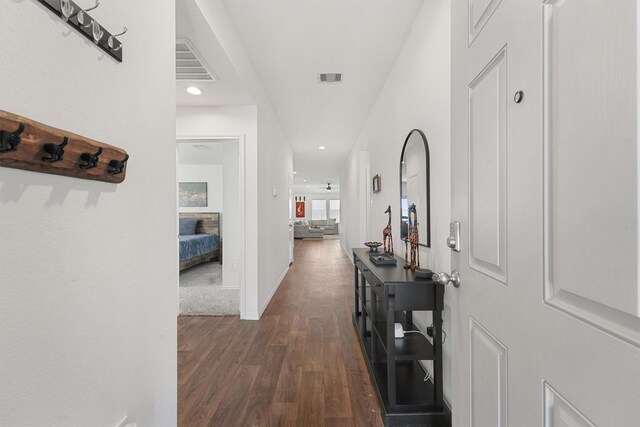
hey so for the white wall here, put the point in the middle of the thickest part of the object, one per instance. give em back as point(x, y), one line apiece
point(88, 289)
point(230, 221)
point(415, 95)
point(213, 176)
point(274, 167)
point(273, 160)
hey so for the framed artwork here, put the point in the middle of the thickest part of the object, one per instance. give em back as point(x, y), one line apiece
point(300, 210)
point(193, 194)
point(376, 183)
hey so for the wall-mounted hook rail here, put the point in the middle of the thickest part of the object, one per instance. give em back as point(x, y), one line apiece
point(55, 151)
point(89, 27)
point(117, 166)
point(24, 141)
point(9, 140)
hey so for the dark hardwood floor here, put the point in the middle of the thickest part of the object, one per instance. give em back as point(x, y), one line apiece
point(300, 365)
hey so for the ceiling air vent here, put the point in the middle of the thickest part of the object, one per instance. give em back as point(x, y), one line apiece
point(330, 78)
point(189, 64)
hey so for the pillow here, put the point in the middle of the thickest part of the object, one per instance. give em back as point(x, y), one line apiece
point(331, 221)
point(316, 222)
point(188, 226)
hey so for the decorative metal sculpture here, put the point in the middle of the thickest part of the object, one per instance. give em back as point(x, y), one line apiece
point(413, 262)
point(387, 237)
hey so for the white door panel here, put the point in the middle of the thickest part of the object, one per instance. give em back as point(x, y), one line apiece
point(546, 319)
point(487, 169)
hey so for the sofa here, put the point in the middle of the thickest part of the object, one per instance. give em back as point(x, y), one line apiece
point(329, 225)
point(303, 231)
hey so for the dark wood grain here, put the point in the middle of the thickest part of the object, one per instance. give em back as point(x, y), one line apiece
point(29, 153)
point(208, 222)
point(300, 365)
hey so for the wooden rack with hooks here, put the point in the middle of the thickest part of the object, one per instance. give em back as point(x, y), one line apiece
point(32, 146)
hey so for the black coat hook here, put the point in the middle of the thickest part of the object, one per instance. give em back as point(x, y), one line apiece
point(90, 159)
point(9, 141)
point(55, 151)
point(117, 166)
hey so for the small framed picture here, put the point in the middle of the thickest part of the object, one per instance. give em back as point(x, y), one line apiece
point(376, 183)
point(193, 194)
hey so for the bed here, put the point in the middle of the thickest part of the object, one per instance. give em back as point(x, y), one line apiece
point(199, 238)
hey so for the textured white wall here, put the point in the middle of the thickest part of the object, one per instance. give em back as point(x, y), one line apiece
point(88, 288)
point(213, 176)
point(415, 95)
point(275, 165)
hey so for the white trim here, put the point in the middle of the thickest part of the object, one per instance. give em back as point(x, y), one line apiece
point(349, 255)
point(275, 288)
point(241, 204)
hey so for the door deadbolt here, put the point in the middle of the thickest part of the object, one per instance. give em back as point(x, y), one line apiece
point(453, 241)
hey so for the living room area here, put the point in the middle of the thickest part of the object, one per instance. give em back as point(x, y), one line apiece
point(317, 210)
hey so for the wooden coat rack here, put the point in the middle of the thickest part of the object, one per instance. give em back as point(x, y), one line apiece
point(32, 146)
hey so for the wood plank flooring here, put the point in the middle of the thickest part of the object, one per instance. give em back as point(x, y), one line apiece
point(300, 365)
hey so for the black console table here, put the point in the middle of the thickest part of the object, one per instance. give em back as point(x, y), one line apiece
point(385, 295)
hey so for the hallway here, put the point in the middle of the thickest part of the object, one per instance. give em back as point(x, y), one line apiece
point(300, 365)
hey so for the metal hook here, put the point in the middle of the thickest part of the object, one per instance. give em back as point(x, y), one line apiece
point(97, 31)
point(110, 40)
point(117, 166)
point(66, 9)
point(9, 141)
point(55, 151)
point(81, 14)
point(90, 159)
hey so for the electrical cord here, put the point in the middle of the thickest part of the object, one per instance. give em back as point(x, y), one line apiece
point(427, 376)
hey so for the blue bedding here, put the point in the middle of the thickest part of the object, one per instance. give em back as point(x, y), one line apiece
point(195, 245)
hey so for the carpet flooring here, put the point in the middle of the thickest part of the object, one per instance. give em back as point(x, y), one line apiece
point(201, 292)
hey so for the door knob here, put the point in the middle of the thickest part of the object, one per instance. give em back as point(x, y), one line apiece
point(453, 278)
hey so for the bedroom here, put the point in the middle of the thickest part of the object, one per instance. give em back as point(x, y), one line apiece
point(208, 201)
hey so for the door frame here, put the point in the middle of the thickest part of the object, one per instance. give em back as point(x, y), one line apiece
point(241, 204)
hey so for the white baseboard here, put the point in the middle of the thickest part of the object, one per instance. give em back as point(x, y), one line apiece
point(349, 254)
point(275, 288)
point(230, 287)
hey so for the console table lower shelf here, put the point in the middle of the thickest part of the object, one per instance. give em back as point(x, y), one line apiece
point(416, 404)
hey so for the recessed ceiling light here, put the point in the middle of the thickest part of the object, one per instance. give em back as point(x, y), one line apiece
point(307, 186)
point(304, 180)
point(194, 90)
point(294, 172)
point(322, 147)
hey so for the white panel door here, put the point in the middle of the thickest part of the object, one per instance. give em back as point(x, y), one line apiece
point(545, 184)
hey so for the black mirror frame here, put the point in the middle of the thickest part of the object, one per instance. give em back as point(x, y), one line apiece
point(428, 185)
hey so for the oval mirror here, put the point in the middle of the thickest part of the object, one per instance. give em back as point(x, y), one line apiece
point(414, 186)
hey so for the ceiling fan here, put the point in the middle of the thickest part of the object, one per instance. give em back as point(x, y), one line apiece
point(328, 187)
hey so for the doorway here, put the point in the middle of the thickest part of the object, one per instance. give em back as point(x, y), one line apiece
point(210, 194)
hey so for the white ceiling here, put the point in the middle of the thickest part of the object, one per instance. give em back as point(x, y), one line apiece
point(288, 43)
point(201, 152)
point(229, 90)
